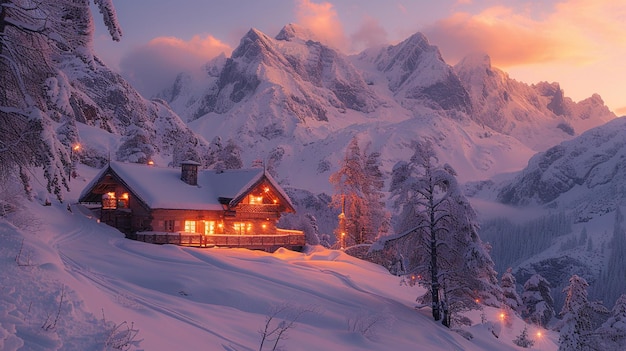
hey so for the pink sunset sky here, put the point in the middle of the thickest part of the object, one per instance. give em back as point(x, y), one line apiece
point(579, 43)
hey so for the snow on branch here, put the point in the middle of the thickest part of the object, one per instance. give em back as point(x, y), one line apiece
point(109, 16)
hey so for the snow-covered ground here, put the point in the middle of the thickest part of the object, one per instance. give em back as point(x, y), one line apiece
point(71, 283)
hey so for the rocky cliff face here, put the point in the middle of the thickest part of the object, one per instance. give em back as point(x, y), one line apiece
point(292, 71)
point(586, 174)
point(418, 75)
point(519, 109)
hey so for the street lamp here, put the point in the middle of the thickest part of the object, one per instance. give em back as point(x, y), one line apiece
point(74, 149)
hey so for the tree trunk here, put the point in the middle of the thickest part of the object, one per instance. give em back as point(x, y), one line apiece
point(434, 273)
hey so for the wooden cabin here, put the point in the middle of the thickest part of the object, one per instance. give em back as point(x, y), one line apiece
point(193, 207)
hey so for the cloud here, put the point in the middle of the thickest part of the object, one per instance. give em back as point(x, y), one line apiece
point(151, 67)
point(369, 34)
point(322, 20)
point(573, 31)
point(620, 111)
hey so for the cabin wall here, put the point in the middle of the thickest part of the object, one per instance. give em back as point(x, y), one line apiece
point(212, 222)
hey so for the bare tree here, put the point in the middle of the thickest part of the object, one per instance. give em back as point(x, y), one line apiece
point(278, 322)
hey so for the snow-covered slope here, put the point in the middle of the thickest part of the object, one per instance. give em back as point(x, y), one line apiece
point(586, 175)
point(80, 279)
point(582, 181)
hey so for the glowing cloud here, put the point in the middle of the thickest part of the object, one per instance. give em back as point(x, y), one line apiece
point(369, 34)
point(572, 32)
point(153, 66)
point(322, 20)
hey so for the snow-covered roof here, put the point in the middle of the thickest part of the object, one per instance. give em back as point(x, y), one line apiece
point(160, 187)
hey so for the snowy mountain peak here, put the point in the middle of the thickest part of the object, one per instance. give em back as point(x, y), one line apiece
point(293, 32)
point(418, 75)
point(518, 109)
point(475, 60)
point(255, 44)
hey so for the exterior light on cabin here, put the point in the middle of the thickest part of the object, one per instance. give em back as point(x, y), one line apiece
point(150, 163)
point(275, 201)
point(266, 189)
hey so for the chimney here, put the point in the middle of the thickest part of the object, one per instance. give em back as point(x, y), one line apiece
point(189, 172)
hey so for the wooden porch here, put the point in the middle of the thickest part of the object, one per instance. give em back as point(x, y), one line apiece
point(290, 239)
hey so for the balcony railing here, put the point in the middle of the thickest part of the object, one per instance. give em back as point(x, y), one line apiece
point(291, 239)
point(258, 208)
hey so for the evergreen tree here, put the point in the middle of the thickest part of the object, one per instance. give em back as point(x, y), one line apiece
point(523, 340)
point(358, 191)
point(380, 217)
point(224, 157)
point(537, 301)
point(451, 260)
point(32, 35)
point(615, 274)
point(509, 291)
point(612, 334)
point(576, 326)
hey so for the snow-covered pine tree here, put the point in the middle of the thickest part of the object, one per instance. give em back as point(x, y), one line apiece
point(537, 301)
point(449, 258)
point(614, 282)
point(220, 157)
point(380, 217)
point(577, 324)
point(31, 32)
point(523, 340)
point(136, 146)
point(509, 291)
point(612, 334)
point(305, 222)
point(357, 190)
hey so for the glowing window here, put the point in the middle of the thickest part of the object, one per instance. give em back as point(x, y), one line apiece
point(209, 227)
point(190, 226)
point(255, 200)
point(108, 201)
point(242, 227)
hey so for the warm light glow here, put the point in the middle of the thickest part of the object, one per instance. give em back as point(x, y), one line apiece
point(125, 196)
point(502, 315)
point(190, 226)
point(343, 234)
point(267, 190)
point(264, 226)
point(539, 334)
point(259, 199)
point(150, 163)
point(477, 300)
point(221, 225)
point(76, 147)
point(209, 227)
point(275, 201)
